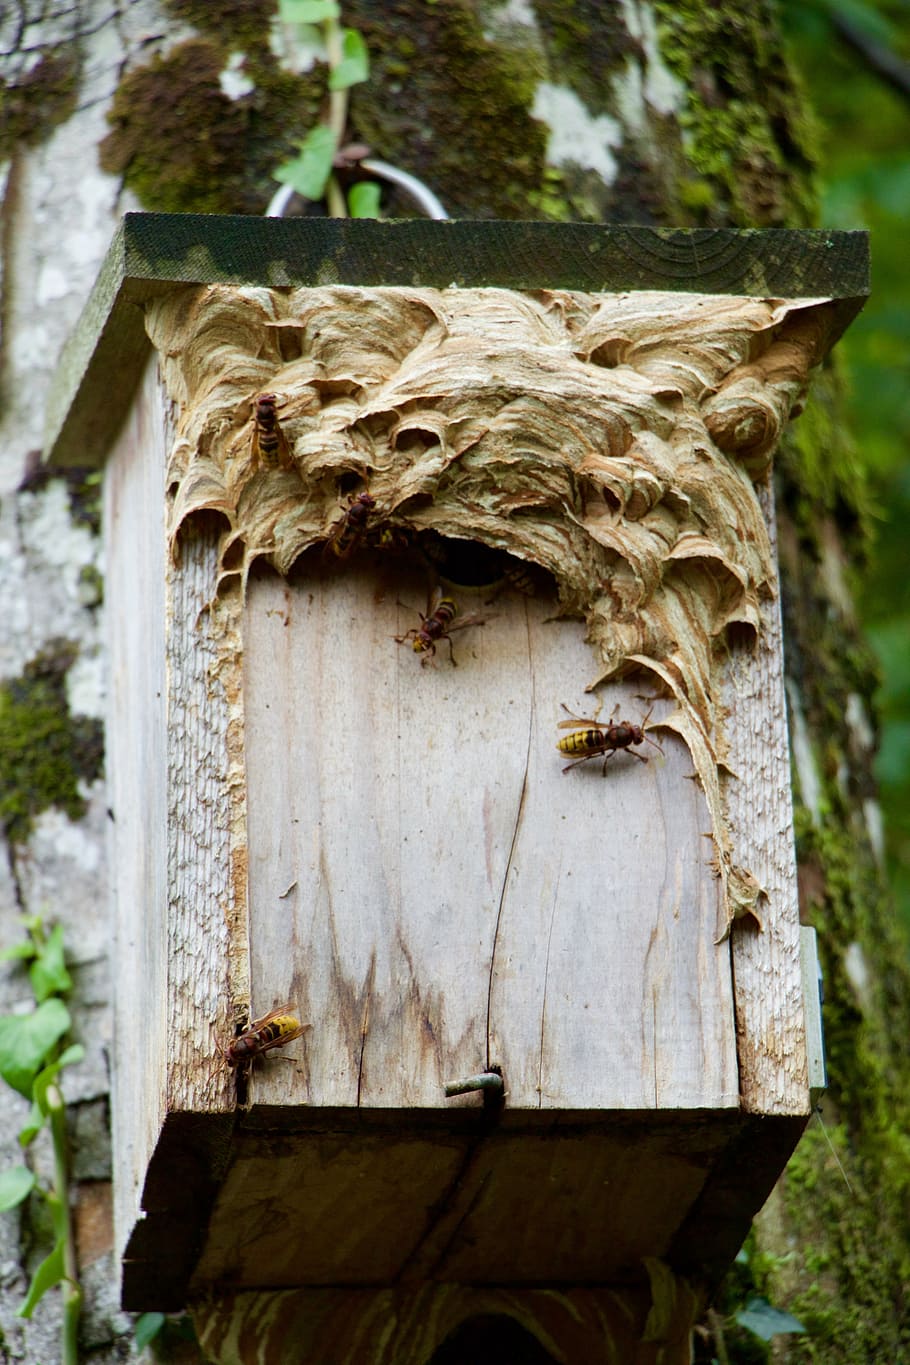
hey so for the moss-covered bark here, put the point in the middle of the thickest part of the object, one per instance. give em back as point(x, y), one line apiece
point(44, 750)
point(839, 1224)
point(455, 105)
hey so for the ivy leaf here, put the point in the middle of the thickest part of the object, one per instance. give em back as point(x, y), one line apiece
point(766, 1322)
point(48, 972)
point(147, 1328)
point(308, 11)
point(354, 66)
point(74, 1053)
point(363, 199)
point(50, 1272)
point(26, 1040)
point(33, 1125)
point(15, 1184)
point(22, 950)
point(308, 172)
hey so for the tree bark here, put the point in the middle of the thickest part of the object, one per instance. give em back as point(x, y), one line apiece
point(658, 113)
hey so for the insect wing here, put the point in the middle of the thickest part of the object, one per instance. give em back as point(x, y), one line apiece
point(579, 723)
point(474, 619)
point(283, 1039)
point(280, 458)
point(276, 1013)
point(284, 451)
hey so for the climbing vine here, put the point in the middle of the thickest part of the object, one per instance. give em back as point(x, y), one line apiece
point(33, 1053)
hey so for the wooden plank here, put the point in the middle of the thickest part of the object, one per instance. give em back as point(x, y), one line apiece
point(136, 726)
point(519, 1200)
point(381, 800)
point(437, 896)
point(608, 990)
point(740, 1181)
point(770, 1023)
point(338, 1208)
point(574, 1205)
point(154, 253)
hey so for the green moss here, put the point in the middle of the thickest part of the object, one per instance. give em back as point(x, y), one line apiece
point(586, 42)
point(83, 487)
point(471, 138)
point(242, 23)
point(183, 146)
point(41, 98)
point(745, 129)
point(851, 1249)
point(851, 1244)
point(812, 480)
point(91, 586)
point(44, 750)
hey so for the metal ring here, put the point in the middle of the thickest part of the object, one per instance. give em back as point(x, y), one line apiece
point(422, 196)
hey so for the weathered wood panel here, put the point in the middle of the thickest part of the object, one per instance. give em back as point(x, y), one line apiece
point(437, 896)
point(770, 1023)
point(179, 905)
point(134, 521)
point(520, 1200)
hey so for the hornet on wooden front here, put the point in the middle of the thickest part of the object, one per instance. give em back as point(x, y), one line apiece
point(275, 1029)
point(596, 739)
point(437, 625)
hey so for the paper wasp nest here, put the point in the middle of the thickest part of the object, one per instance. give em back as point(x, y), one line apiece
point(611, 439)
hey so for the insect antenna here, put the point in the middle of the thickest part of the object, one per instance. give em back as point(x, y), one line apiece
point(644, 723)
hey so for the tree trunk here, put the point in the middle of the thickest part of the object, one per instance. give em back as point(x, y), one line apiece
point(654, 113)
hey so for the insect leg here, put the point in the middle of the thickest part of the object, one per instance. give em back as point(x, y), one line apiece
point(584, 759)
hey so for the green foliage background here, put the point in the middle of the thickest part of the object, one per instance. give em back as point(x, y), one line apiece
point(864, 144)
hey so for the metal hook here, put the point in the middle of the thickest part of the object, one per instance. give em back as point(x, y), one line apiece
point(490, 1082)
point(423, 197)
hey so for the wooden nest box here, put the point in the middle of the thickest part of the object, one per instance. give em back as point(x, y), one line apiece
point(327, 446)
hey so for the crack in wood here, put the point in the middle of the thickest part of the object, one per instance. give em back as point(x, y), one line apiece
point(518, 816)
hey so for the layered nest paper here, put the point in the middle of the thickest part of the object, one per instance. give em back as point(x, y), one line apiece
point(613, 440)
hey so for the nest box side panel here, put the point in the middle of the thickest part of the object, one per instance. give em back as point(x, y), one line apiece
point(770, 1025)
point(136, 765)
point(437, 896)
point(179, 883)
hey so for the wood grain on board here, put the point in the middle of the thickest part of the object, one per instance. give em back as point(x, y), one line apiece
point(438, 897)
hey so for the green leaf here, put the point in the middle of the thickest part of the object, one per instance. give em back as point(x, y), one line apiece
point(71, 1055)
point(27, 1039)
point(18, 951)
point(48, 972)
point(46, 1077)
point(15, 1184)
point(354, 66)
point(766, 1322)
point(308, 11)
point(147, 1328)
point(363, 199)
point(33, 1125)
point(308, 172)
point(50, 1272)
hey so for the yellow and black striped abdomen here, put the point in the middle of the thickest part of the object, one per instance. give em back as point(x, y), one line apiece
point(272, 1033)
point(582, 743)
